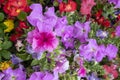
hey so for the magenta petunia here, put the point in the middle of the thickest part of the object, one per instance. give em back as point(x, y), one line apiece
point(42, 41)
point(82, 72)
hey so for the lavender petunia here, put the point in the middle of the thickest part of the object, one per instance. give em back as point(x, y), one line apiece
point(81, 31)
point(93, 76)
point(60, 26)
point(102, 34)
point(44, 22)
point(89, 51)
point(100, 54)
point(36, 14)
point(35, 55)
point(111, 51)
point(15, 59)
point(16, 74)
point(62, 64)
point(67, 37)
point(115, 2)
point(42, 76)
point(117, 31)
point(1, 75)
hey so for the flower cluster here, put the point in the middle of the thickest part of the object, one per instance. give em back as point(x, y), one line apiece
point(59, 40)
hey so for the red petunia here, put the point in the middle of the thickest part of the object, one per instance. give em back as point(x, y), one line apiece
point(14, 7)
point(106, 23)
point(68, 7)
point(15, 37)
point(23, 25)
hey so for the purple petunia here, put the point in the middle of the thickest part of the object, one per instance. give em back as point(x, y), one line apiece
point(81, 31)
point(93, 51)
point(44, 22)
point(1, 75)
point(102, 34)
point(101, 53)
point(60, 26)
point(62, 64)
point(89, 51)
point(117, 31)
point(16, 74)
point(68, 37)
point(115, 2)
point(111, 51)
point(42, 76)
point(93, 76)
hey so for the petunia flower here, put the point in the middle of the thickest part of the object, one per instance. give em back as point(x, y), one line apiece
point(61, 25)
point(101, 53)
point(111, 51)
point(81, 31)
point(62, 64)
point(102, 34)
point(42, 76)
point(93, 76)
point(1, 75)
point(110, 71)
point(89, 51)
point(42, 41)
point(68, 7)
point(82, 72)
point(44, 22)
point(115, 2)
point(16, 74)
point(68, 37)
point(117, 31)
point(86, 6)
point(14, 7)
point(15, 59)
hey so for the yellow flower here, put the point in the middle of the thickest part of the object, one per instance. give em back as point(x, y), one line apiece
point(9, 24)
point(5, 65)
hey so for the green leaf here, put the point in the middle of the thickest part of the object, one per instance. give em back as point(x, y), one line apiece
point(0, 57)
point(34, 62)
point(6, 44)
point(1, 16)
point(1, 33)
point(5, 54)
point(24, 56)
point(22, 16)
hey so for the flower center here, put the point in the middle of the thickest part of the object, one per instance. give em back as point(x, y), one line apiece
point(68, 7)
point(13, 78)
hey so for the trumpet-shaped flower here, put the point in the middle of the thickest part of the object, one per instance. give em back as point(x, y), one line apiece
point(86, 6)
point(42, 41)
point(44, 22)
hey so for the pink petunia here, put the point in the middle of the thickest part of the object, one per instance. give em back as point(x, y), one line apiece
point(86, 6)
